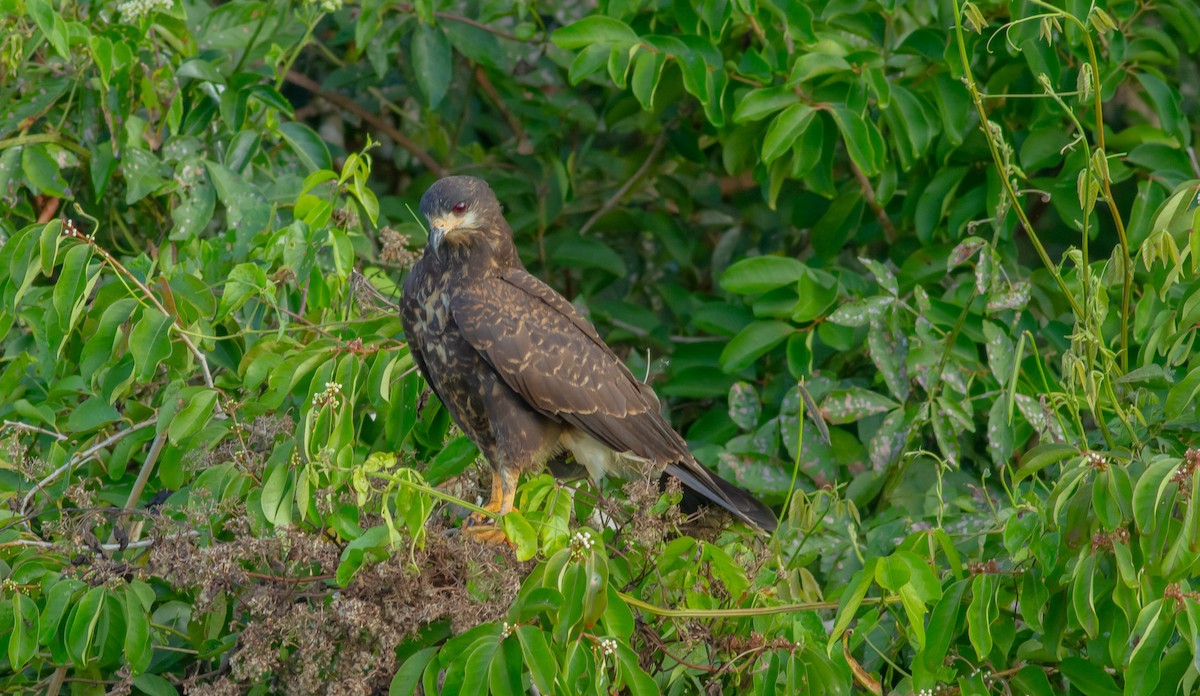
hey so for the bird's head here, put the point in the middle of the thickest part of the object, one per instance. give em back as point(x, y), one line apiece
point(463, 212)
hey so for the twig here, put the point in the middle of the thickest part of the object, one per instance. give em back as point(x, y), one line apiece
point(524, 146)
point(662, 645)
point(451, 17)
point(106, 548)
point(79, 459)
point(743, 613)
point(478, 25)
point(628, 185)
point(383, 126)
point(34, 429)
point(296, 581)
point(889, 230)
point(48, 210)
point(140, 484)
point(70, 231)
point(56, 680)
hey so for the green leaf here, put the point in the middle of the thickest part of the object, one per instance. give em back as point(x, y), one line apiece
point(48, 246)
point(138, 647)
point(1182, 396)
point(1032, 680)
point(34, 103)
point(647, 72)
point(1083, 597)
point(618, 619)
point(592, 30)
point(861, 312)
point(144, 174)
point(589, 252)
point(1166, 101)
point(100, 347)
point(52, 26)
point(452, 460)
point(814, 64)
point(1088, 678)
point(195, 414)
point(785, 129)
point(150, 342)
point(1041, 457)
point(521, 534)
point(59, 599)
point(635, 678)
point(853, 404)
point(887, 347)
point(42, 171)
point(409, 675)
point(752, 342)
point(82, 631)
point(543, 667)
point(757, 104)
point(859, 140)
point(979, 614)
point(851, 600)
point(1148, 639)
point(943, 626)
point(759, 274)
point(68, 290)
point(935, 199)
point(432, 62)
point(1148, 491)
point(276, 496)
point(504, 673)
point(91, 414)
point(307, 145)
point(245, 281)
point(589, 61)
point(154, 685)
point(26, 628)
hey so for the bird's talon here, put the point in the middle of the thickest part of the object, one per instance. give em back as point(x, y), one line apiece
point(485, 528)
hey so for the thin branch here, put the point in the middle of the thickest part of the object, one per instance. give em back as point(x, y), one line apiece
point(743, 613)
point(140, 484)
point(289, 580)
point(479, 25)
point(889, 230)
point(79, 459)
point(524, 146)
point(70, 231)
point(106, 548)
point(34, 429)
point(628, 185)
point(374, 120)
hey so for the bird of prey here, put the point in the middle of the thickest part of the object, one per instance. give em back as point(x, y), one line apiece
point(522, 373)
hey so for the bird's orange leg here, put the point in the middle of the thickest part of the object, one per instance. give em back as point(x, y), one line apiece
point(504, 492)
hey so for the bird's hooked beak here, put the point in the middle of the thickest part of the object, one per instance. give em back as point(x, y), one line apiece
point(436, 235)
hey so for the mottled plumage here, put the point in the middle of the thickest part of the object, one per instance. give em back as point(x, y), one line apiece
point(522, 372)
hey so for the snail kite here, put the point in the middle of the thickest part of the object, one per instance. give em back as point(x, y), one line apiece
point(522, 373)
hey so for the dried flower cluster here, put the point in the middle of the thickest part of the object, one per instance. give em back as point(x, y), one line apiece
point(299, 633)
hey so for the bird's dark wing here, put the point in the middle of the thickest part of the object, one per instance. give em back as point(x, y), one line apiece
point(554, 359)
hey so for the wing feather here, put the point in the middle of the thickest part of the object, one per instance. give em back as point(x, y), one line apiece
point(551, 356)
point(554, 359)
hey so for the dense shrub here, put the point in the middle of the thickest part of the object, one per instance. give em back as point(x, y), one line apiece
point(921, 275)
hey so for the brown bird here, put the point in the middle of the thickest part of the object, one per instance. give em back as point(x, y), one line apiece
point(522, 373)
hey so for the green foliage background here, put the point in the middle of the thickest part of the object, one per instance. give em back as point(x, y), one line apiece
point(921, 275)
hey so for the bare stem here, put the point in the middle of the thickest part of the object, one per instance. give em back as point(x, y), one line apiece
point(628, 185)
point(79, 459)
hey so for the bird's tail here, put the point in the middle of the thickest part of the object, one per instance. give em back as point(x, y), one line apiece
point(739, 503)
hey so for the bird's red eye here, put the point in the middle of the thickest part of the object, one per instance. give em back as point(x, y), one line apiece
point(459, 208)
